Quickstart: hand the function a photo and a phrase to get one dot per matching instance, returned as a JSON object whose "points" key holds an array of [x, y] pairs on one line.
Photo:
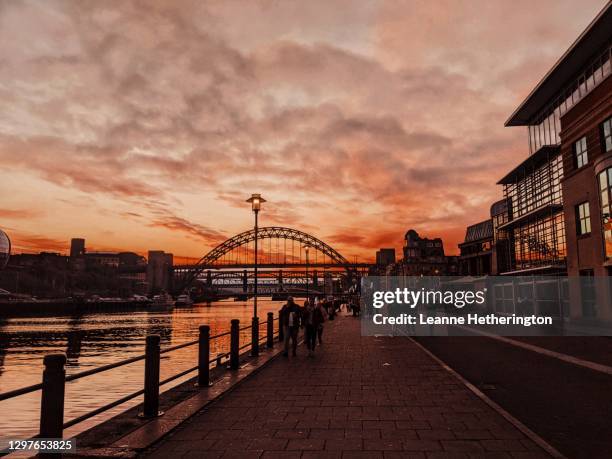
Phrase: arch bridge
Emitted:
{"points": [[283, 254]]}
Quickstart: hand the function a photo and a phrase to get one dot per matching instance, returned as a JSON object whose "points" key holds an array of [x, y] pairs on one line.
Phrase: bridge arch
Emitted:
{"points": [[272, 232], [267, 232]]}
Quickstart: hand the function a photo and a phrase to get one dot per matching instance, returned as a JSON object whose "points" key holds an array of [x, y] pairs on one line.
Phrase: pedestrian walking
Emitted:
{"points": [[290, 319], [313, 317], [324, 317]]}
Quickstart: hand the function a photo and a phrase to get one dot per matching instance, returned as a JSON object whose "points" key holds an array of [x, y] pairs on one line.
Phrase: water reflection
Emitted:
{"points": [[93, 340]]}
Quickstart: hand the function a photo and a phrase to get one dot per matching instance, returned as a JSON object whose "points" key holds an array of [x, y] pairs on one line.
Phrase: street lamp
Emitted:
{"points": [[307, 248], [256, 200]]}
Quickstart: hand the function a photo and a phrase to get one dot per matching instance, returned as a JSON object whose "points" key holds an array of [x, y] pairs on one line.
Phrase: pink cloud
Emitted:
{"points": [[355, 121]]}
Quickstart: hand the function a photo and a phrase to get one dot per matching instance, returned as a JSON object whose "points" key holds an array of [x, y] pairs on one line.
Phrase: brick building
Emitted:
{"points": [[558, 198]]}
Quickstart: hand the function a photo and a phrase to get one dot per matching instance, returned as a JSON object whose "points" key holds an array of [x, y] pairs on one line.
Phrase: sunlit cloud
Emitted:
{"points": [[152, 122]]}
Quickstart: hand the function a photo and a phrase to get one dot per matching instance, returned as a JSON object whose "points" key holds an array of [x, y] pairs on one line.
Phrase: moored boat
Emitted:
{"points": [[183, 300]]}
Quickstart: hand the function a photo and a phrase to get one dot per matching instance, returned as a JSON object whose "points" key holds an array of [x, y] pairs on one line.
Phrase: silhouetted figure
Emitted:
{"points": [[321, 307], [290, 319], [312, 318]]}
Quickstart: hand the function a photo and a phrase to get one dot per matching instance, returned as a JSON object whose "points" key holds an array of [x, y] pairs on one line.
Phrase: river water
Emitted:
{"points": [[93, 340]]}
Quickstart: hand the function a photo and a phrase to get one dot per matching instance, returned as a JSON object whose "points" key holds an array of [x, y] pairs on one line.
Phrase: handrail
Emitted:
{"points": [[93, 371], [207, 339], [20, 391], [102, 409], [179, 346], [110, 366], [220, 335]]}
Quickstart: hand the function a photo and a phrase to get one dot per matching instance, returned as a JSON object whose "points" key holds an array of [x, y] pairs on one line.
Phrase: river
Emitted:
{"points": [[93, 340]]}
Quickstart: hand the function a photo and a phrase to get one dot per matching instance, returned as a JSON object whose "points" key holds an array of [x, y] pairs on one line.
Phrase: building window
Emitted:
{"points": [[605, 193], [606, 129], [580, 152], [583, 218]]}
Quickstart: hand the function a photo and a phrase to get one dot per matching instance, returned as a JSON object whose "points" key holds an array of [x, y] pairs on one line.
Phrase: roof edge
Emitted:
{"points": [[512, 121]]}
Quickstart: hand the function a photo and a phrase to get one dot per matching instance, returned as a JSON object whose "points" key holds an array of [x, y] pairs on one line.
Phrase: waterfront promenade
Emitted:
{"points": [[369, 397]]}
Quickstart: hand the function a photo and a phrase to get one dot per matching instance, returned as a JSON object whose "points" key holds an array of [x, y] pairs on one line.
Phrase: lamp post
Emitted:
{"points": [[307, 248], [256, 200]]}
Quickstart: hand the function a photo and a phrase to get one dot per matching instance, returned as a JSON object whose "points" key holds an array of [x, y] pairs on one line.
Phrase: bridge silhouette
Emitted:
{"points": [[297, 258]]}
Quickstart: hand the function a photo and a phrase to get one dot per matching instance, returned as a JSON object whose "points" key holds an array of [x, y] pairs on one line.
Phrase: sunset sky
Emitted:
{"points": [[146, 124]]}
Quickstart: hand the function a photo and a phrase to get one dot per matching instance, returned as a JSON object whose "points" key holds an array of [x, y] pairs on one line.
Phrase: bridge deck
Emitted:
{"points": [[359, 397]]}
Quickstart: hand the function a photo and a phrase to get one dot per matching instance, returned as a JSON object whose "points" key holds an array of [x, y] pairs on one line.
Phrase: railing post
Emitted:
{"points": [[255, 336], [270, 330], [234, 344], [151, 378], [204, 356], [52, 398]]}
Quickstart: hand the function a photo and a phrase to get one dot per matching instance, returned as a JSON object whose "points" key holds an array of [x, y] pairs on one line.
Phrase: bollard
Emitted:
{"points": [[151, 379], [255, 336], [204, 356], [270, 331], [52, 398], [234, 344]]}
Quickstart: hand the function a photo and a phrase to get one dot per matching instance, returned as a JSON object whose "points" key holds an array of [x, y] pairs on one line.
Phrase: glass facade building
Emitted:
{"points": [[535, 222], [546, 125], [555, 208]]}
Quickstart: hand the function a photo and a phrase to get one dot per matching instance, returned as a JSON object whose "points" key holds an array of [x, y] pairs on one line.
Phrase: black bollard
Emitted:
{"points": [[151, 378], [270, 330], [52, 398], [255, 336], [234, 344], [204, 356]]}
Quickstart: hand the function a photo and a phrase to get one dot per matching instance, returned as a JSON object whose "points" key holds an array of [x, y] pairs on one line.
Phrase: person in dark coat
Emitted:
{"points": [[290, 319], [312, 318]]}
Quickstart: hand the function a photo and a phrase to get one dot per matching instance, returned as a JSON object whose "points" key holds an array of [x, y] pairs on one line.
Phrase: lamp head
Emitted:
{"points": [[256, 200]]}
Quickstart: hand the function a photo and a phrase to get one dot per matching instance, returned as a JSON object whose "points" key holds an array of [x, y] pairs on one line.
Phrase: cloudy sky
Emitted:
{"points": [[146, 124]]}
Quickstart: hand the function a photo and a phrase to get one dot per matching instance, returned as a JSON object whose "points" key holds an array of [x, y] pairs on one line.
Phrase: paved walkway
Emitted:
{"points": [[358, 398]]}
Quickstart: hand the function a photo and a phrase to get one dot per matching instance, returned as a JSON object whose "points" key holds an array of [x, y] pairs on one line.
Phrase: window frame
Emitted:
{"points": [[583, 219], [605, 207], [606, 139], [581, 158]]}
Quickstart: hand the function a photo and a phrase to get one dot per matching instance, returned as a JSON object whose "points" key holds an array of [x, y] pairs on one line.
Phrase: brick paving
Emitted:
{"points": [[360, 397]]}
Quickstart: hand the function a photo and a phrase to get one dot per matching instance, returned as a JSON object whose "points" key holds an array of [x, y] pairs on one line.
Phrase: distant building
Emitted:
{"points": [[110, 259], [80, 257], [423, 256], [77, 247], [49, 259], [476, 250], [385, 257], [159, 271], [5, 249]]}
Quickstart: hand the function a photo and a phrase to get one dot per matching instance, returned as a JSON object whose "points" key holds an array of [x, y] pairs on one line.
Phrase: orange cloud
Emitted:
{"points": [[354, 121]]}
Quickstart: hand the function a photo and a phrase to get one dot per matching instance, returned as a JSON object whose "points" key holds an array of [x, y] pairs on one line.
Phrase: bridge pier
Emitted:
{"points": [[245, 281]]}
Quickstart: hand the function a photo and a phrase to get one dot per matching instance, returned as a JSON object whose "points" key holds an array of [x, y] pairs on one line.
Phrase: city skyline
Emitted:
{"points": [[355, 124]]}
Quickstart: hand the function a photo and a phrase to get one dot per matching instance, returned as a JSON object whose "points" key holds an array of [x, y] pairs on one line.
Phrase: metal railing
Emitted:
{"points": [[54, 379]]}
